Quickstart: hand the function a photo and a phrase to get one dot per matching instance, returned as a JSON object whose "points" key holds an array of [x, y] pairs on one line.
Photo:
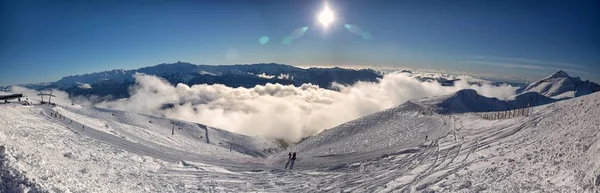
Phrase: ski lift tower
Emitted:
{"points": [[41, 94]]}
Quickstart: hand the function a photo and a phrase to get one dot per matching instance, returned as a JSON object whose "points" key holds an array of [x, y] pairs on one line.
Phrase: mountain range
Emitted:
{"points": [[115, 83], [555, 87]]}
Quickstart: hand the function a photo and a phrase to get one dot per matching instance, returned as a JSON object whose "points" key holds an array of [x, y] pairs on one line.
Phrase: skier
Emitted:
{"points": [[293, 160], [288, 161], [426, 137]]}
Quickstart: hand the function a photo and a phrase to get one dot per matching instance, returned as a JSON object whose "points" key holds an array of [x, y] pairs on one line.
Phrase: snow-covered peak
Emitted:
{"points": [[469, 100], [559, 74], [560, 85], [466, 100]]}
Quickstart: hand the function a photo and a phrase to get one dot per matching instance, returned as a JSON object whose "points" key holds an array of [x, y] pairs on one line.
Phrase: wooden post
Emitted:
{"points": [[50, 99], [206, 134]]}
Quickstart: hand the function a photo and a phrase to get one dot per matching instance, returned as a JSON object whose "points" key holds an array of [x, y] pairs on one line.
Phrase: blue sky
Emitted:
{"points": [[46, 40]]}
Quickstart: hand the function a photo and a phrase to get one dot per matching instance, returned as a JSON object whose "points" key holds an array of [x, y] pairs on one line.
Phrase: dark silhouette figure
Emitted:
{"points": [[293, 160], [426, 137], [288, 161]]}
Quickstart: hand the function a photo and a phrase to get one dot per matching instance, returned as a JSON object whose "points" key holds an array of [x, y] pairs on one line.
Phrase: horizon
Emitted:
{"points": [[381, 69], [45, 41]]}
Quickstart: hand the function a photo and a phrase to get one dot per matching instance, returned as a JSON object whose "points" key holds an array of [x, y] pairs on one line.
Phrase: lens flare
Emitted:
{"points": [[354, 29], [297, 33], [263, 40], [326, 17]]}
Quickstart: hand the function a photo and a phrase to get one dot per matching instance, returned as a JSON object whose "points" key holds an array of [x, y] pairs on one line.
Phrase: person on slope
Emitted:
{"points": [[293, 160], [288, 161]]}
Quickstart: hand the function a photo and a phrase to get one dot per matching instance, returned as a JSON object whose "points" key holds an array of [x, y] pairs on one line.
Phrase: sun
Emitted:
{"points": [[326, 16]]}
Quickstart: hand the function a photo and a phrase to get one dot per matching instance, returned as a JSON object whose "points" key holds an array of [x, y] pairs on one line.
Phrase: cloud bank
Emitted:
{"points": [[60, 97], [282, 111]]}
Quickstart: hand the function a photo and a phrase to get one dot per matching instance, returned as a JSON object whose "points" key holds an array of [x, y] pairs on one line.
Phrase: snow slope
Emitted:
{"points": [[555, 149], [468, 100], [157, 132], [397, 127], [61, 160]]}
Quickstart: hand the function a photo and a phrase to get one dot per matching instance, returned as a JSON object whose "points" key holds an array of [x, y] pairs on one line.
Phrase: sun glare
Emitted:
{"points": [[326, 17]]}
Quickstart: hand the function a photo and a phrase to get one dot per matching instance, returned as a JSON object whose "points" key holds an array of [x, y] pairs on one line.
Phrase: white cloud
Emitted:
{"points": [[85, 86], [60, 97], [285, 76], [531, 65], [285, 111], [266, 76], [526, 61]]}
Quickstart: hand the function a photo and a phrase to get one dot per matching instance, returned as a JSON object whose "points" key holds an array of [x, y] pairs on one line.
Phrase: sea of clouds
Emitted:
{"points": [[283, 111], [275, 110]]}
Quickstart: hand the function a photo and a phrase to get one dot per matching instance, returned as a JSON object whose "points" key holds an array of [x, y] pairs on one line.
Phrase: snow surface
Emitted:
{"points": [[555, 149]]}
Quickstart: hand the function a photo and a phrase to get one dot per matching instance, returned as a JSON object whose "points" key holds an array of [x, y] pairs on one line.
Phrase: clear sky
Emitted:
{"points": [[46, 40]]}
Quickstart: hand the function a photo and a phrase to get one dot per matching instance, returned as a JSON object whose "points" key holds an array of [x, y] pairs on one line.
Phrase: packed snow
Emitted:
{"points": [[87, 149]]}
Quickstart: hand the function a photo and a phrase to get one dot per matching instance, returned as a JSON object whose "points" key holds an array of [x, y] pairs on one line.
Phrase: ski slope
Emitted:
{"points": [[154, 131], [380, 133], [555, 149]]}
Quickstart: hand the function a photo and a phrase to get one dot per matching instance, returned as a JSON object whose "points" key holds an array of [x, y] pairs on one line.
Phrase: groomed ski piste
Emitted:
{"points": [[555, 148]]}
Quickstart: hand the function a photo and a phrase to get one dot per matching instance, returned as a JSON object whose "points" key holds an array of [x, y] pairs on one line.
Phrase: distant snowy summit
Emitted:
{"points": [[555, 87], [560, 85], [36, 86], [469, 100]]}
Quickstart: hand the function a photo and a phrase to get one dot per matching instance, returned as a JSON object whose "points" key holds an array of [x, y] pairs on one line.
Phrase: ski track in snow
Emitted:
{"points": [[555, 149]]}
